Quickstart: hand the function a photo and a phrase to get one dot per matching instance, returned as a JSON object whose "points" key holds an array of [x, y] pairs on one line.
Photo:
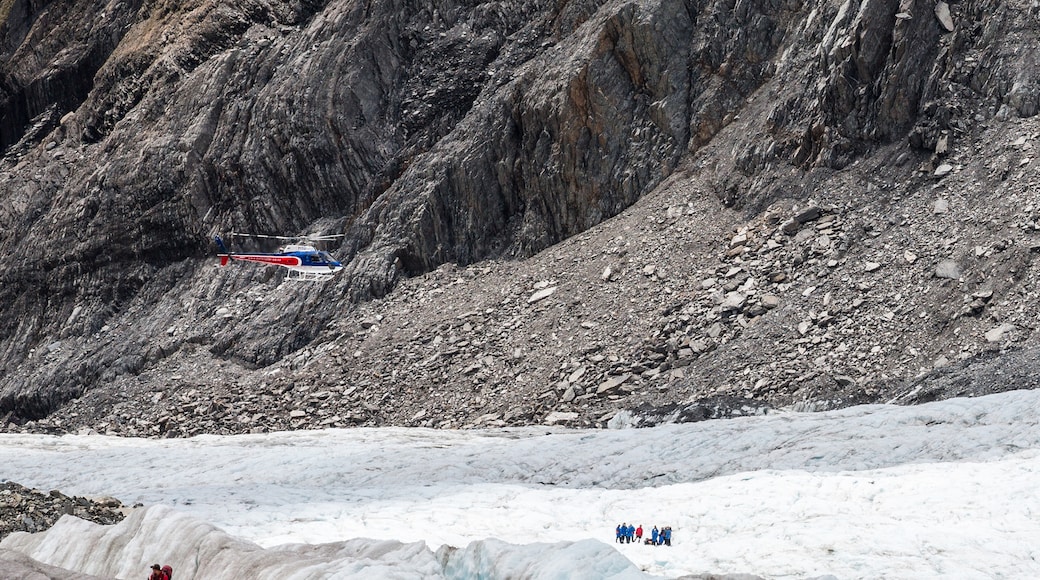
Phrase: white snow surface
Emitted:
{"points": [[947, 489]]}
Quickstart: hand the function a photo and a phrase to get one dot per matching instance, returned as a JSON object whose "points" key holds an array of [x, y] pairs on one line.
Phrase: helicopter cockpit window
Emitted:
{"points": [[313, 258], [327, 257]]}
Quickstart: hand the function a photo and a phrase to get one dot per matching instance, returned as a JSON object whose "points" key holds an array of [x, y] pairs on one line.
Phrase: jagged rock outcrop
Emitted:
{"points": [[468, 134], [29, 510]]}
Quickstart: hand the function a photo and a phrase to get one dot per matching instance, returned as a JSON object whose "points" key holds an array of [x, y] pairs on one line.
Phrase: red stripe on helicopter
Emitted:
{"points": [[266, 259]]}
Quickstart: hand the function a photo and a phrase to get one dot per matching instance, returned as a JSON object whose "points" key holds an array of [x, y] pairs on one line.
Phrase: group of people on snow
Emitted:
{"points": [[627, 533]]}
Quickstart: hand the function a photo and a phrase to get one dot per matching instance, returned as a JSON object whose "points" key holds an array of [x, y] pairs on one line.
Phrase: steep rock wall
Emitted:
{"points": [[428, 133]]}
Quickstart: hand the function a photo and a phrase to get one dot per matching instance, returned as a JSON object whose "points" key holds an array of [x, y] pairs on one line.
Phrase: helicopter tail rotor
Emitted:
{"points": [[224, 254]]}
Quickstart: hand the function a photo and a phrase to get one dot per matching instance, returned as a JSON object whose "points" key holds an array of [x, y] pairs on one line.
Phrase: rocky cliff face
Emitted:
{"points": [[553, 210]]}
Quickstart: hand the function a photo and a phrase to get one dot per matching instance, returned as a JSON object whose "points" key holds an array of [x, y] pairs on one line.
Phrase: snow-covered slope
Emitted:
{"points": [[878, 491], [202, 551]]}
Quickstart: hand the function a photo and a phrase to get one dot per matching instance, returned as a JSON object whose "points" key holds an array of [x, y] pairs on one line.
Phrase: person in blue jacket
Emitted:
{"points": [[618, 532], [668, 535], [654, 536]]}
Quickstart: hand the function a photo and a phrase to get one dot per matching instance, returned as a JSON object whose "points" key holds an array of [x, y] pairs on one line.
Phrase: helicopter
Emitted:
{"points": [[303, 262]]}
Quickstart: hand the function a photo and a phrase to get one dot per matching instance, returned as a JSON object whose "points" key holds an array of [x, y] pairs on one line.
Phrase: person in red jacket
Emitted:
{"points": [[167, 571], [156, 573], [639, 533]]}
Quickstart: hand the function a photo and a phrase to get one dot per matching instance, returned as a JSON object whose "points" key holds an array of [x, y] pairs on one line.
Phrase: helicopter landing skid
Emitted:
{"points": [[296, 276]]}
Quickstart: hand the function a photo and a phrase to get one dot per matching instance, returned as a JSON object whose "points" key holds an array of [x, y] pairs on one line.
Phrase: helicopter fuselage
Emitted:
{"points": [[296, 258]]}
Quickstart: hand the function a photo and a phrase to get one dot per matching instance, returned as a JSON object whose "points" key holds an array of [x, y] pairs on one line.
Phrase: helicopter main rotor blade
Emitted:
{"points": [[323, 238], [315, 238], [242, 235]]}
